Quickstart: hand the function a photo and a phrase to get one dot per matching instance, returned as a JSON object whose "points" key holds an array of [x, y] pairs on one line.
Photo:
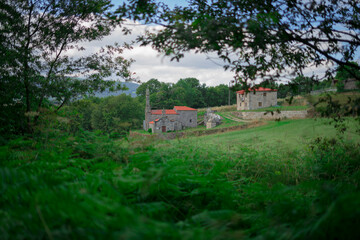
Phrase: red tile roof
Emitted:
{"points": [[152, 122], [167, 112], [184, 108], [260, 89]]}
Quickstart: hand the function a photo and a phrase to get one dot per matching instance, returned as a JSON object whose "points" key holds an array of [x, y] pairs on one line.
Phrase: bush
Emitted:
{"points": [[116, 114], [335, 159], [340, 86]]}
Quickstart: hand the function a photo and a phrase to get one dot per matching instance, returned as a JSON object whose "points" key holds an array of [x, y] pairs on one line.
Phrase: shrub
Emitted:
{"points": [[340, 86], [334, 158]]}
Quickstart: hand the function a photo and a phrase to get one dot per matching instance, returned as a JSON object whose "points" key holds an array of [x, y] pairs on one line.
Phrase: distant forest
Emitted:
{"points": [[186, 92], [189, 92]]}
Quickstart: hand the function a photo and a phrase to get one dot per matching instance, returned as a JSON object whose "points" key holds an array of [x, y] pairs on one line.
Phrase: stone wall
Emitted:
{"points": [[350, 84], [170, 125], [269, 116], [153, 117], [315, 92], [242, 101], [270, 99], [188, 118]]}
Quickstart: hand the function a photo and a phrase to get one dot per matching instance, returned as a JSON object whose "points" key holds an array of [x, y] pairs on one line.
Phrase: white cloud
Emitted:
{"points": [[150, 64]]}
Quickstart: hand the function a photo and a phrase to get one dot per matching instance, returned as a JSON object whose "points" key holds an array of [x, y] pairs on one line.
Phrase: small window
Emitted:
{"points": [[260, 104], [190, 120], [264, 94]]}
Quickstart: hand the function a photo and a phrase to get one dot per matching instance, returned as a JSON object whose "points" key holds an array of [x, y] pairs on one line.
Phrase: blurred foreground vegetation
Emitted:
{"points": [[286, 180]]}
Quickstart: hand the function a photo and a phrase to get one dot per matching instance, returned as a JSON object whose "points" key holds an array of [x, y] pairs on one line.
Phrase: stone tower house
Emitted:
{"points": [[256, 98]]}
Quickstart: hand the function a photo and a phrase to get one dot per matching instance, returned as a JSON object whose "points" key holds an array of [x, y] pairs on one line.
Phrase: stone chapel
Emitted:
{"points": [[178, 118]]}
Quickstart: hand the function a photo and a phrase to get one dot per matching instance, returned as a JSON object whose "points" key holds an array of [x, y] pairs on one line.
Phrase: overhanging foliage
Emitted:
{"points": [[256, 39]]}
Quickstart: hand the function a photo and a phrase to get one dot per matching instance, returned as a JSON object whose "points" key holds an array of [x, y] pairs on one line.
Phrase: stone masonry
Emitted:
{"points": [[269, 116], [168, 119], [256, 98]]}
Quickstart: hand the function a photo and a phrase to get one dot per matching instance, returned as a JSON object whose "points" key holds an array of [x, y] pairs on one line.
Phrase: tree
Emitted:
{"points": [[36, 39], [113, 114], [218, 96], [256, 39], [153, 84], [344, 73], [301, 85], [117, 114], [164, 98], [269, 84], [185, 92], [191, 92]]}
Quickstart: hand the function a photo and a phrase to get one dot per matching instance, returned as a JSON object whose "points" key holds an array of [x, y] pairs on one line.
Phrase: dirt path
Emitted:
{"points": [[236, 119]]}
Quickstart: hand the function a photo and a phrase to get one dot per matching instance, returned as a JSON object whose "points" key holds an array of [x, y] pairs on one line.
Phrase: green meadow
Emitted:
{"points": [[293, 179], [285, 135]]}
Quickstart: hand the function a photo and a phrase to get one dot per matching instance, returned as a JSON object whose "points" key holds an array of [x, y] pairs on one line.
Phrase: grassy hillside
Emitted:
{"points": [[286, 134], [279, 181]]}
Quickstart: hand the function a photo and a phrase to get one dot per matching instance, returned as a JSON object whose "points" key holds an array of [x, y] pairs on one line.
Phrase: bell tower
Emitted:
{"points": [[147, 110]]}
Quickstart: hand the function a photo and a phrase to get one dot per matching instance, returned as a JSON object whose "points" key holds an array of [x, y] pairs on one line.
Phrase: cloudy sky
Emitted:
{"points": [[150, 64]]}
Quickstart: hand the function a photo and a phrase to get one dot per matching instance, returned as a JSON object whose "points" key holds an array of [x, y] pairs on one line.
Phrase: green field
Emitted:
{"points": [[280, 108], [286, 134], [284, 180]]}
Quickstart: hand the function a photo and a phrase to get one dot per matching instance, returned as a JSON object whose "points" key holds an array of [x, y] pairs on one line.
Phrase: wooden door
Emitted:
{"points": [[163, 128]]}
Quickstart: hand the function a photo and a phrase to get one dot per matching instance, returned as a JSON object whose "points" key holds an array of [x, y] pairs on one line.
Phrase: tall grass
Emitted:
{"points": [[213, 187]]}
